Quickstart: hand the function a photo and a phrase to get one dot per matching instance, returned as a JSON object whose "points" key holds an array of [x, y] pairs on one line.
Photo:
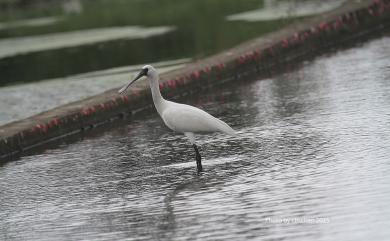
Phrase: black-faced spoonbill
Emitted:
{"points": [[181, 118]]}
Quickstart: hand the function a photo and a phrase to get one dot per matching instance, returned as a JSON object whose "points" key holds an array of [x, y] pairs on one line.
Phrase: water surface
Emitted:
{"points": [[311, 162]]}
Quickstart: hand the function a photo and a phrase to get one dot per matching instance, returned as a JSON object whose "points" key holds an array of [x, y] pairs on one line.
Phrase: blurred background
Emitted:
{"points": [[310, 161], [56, 51]]}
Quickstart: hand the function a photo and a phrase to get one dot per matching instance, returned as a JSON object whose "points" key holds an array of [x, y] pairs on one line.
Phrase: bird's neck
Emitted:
{"points": [[158, 100]]}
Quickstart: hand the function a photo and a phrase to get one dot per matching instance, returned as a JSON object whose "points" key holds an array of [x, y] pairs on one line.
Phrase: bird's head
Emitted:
{"points": [[147, 70]]}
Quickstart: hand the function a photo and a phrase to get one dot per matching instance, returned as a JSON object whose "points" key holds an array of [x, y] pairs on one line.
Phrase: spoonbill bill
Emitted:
{"points": [[181, 118]]}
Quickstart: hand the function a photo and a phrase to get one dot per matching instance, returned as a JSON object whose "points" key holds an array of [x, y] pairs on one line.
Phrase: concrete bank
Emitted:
{"points": [[347, 23]]}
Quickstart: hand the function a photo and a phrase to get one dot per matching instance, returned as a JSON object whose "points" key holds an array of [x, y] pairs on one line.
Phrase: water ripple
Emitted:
{"points": [[310, 162]]}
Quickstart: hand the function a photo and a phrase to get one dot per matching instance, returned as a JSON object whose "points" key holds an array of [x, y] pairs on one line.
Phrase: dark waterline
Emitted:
{"points": [[311, 162]]}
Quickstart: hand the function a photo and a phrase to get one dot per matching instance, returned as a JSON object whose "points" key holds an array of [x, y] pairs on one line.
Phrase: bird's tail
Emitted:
{"points": [[225, 128]]}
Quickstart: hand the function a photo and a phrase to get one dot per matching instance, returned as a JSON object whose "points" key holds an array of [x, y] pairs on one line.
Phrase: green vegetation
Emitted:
{"points": [[104, 13], [201, 30], [11, 10]]}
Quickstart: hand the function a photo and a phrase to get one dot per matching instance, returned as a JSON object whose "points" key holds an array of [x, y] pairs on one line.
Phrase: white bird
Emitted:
{"points": [[181, 118]]}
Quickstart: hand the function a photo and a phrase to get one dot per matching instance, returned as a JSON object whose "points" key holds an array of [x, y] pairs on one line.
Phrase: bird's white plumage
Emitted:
{"points": [[182, 118], [185, 118]]}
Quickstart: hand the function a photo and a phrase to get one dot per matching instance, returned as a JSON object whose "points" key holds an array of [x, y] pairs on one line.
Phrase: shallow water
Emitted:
{"points": [[311, 162]]}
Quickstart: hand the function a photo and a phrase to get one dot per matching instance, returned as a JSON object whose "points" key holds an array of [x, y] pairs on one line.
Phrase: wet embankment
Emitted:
{"points": [[297, 41]]}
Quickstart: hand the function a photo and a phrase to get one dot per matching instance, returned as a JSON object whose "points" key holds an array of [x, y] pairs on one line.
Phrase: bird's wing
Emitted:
{"points": [[186, 118]]}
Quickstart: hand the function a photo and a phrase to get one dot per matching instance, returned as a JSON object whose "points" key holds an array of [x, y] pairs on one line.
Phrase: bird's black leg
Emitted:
{"points": [[198, 159]]}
